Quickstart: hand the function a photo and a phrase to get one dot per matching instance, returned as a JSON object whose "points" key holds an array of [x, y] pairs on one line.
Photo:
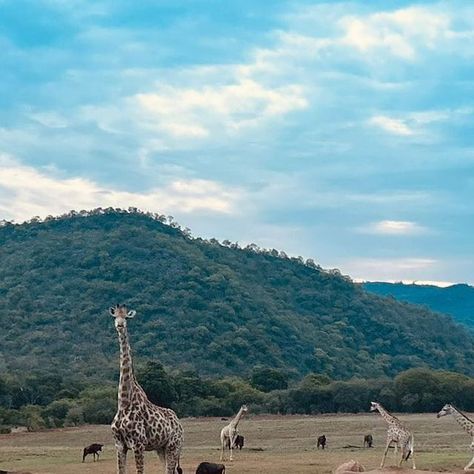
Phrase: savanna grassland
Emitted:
{"points": [[274, 444]]}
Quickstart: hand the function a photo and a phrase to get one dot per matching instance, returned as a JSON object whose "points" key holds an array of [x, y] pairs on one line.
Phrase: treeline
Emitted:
{"points": [[41, 401], [170, 222]]}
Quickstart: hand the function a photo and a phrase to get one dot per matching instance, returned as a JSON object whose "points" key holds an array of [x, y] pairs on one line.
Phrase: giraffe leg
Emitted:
{"points": [[402, 457], [139, 460], [172, 460], [230, 447], [385, 453], [395, 453], [121, 459], [222, 449], [471, 462], [413, 458], [411, 451]]}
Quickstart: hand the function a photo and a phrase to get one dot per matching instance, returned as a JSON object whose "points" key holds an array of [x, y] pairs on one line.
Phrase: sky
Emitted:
{"points": [[338, 131]]}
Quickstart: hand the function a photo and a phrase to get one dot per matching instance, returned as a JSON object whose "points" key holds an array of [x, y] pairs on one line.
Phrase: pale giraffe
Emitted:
{"points": [[396, 433], [464, 421], [139, 425], [229, 432]]}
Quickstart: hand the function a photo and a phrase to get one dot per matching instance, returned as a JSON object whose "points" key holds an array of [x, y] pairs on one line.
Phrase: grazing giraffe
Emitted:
{"points": [[396, 433], [229, 432], [139, 424], [464, 421]]}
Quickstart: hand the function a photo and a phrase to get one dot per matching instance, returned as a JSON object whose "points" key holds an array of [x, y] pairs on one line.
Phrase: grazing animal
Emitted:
{"points": [[322, 442], [210, 468], [93, 449], [464, 421], [396, 433], [239, 442], [368, 441], [139, 424], [229, 432]]}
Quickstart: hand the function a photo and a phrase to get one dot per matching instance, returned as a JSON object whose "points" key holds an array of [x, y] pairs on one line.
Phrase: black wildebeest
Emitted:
{"points": [[368, 441], [93, 449], [210, 468], [239, 442], [322, 441]]}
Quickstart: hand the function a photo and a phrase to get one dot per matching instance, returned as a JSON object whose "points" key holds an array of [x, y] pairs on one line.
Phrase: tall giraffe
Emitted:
{"points": [[464, 421], [396, 433], [139, 424], [229, 432]]}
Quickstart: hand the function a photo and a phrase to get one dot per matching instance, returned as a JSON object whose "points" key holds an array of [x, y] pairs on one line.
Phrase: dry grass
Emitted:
{"points": [[273, 444]]}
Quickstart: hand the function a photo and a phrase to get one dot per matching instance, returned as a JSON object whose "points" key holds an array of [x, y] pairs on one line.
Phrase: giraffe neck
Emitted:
{"points": [[237, 418], [463, 420], [127, 379], [386, 415]]}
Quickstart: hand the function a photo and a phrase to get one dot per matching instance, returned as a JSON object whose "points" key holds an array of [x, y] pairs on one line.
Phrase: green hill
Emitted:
{"points": [[455, 300], [203, 305]]}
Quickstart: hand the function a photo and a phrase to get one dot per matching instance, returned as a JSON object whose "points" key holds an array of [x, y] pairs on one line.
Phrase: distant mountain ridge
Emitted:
{"points": [[456, 300], [202, 305]]}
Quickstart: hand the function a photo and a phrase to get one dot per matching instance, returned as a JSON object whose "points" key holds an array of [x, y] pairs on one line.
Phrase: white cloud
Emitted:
{"points": [[399, 32], [27, 192], [194, 113], [388, 227], [441, 284], [49, 119], [192, 106], [389, 269], [391, 125]]}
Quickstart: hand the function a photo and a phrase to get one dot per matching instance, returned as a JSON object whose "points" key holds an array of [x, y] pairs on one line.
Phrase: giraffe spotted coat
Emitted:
{"points": [[139, 425]]}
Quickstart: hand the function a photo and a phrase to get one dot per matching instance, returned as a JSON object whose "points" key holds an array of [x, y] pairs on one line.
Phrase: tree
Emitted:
{"points": [[267, 379], [157, 384]]}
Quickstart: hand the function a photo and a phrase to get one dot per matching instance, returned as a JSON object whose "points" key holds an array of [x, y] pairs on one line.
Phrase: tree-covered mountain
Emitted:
{"points": [[455, 300], [200, 305]]}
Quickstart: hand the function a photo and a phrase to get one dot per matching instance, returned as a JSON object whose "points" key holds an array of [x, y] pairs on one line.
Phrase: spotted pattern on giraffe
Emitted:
{"points": [[140, 425]]}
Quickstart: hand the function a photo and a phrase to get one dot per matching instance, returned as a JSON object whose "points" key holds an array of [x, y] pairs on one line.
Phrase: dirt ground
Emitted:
{"points": [[273, 444]]}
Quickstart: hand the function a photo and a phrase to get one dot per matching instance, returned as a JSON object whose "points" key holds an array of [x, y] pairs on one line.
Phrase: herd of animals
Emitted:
{"points": [[141, 426]]}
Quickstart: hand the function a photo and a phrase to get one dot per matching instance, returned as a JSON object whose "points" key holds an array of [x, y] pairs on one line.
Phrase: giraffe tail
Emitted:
{"points": [[410, 446]]}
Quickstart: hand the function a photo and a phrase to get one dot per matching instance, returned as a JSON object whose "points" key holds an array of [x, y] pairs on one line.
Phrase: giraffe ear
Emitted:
{"points": [[131, 314], [112, 311]]}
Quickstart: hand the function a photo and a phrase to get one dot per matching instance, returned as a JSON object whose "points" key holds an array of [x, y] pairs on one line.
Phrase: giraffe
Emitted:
{"points": [[396, 433], [229, 432], [464, 421], [139, 424]]}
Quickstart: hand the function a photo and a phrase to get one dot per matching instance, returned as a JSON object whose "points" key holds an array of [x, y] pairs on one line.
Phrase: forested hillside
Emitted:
{"points": [[456, 300], [200, 305]]}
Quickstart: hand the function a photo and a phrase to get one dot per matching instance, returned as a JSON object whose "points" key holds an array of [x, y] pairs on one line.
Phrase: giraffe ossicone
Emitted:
{"points": [[140, 425]]}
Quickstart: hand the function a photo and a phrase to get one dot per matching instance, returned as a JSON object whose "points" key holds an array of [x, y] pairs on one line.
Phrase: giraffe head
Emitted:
{"points": [[374, 406], [446, 410], [121, 313], [244, 408]]}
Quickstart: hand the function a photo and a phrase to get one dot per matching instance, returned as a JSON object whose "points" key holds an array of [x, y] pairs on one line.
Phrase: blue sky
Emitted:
{"points": [[339, 131]]}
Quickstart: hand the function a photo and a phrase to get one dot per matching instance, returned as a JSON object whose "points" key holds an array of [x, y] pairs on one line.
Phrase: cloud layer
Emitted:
{"points": [[339, 131]]}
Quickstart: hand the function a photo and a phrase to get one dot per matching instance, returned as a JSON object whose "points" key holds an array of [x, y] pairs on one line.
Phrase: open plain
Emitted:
{"points": [[273, 444]]}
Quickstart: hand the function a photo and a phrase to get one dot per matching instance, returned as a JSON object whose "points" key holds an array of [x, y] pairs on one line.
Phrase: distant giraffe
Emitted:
{"points": [[464, 421], [229, 432], [396, 433], [139, 424]]}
